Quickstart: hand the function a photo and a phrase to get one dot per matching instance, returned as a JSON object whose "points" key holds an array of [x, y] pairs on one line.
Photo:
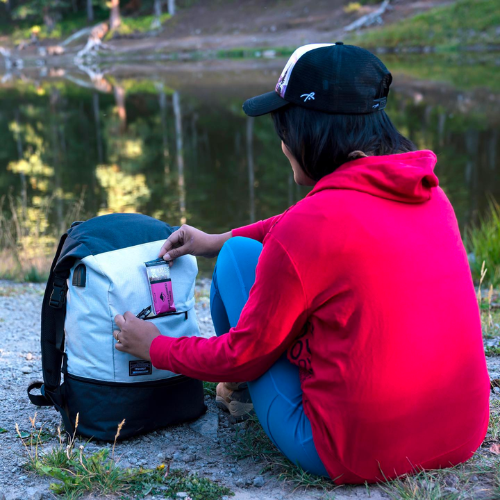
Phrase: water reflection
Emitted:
{"points": [[174, 143]]}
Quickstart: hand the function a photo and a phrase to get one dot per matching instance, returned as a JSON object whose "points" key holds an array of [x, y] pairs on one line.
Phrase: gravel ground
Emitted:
{"points": [[200, 446]]}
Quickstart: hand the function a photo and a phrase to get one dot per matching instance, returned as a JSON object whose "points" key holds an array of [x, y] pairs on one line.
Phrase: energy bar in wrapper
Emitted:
{"points": [[161, 287]]}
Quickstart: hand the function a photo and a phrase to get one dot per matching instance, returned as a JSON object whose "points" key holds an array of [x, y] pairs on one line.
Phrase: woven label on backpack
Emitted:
{"points": [[139, 367]]}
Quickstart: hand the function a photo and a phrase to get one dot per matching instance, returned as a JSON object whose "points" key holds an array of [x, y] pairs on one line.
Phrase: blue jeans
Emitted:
{"points": [[276, 395]]}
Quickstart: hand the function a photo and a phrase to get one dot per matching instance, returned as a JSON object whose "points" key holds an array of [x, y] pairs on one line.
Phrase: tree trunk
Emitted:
{"points": [[56, 158], [164, 131], [114, 18], [120, 106], [156, 24], [20, 155], [180, 157], [171, 7], [157, 8], [90, 11], [97, 120]]}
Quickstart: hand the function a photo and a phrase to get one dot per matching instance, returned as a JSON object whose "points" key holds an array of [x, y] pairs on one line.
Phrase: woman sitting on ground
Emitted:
{"points": [[352, 315]]}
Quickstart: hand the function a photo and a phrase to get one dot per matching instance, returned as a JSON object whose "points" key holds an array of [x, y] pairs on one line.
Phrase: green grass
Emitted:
{"points": [[451, 27], [494, 424], [77, 473], [461, 71], [423, 486], [482, 240], [252, 442]]}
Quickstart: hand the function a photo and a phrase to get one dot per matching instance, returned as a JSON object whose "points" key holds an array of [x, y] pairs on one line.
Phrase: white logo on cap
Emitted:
{"points": [[308, 96]]}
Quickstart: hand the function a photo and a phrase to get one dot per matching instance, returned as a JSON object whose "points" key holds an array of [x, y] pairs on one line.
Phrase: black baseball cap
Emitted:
{"points": [[333, 78]]}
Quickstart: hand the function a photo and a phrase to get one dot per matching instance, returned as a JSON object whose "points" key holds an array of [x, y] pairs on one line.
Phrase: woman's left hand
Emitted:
{"points": [[135, 335]]}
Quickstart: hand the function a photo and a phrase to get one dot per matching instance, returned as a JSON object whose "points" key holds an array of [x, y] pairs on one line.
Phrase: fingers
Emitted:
{"points": [[175, 253], [129, 316], [175, 239], [176, 245], [165, 247], [119, 347], [120, 321]]}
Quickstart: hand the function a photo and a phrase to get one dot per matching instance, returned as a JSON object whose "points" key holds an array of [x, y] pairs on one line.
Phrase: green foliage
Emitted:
{"points": [[132, 25], [252, 442], [63, 28], [245, 53], [482, 239], [77, 473], [450, 27], [492, 351], [209, 388]]}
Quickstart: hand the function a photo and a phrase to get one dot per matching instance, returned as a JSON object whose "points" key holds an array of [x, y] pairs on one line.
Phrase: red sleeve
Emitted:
{"points": [[273, 316], [257, 230]]}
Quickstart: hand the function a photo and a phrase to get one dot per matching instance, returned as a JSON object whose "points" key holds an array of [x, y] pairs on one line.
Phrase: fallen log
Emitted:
{"points": [[371, 18], [94, 41]]}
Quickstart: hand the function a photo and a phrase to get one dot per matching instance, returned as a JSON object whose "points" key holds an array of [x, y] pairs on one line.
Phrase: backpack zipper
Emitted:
{"points": [[144, 314]]}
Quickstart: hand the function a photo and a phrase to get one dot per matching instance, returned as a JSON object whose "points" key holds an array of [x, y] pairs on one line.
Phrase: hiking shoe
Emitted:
{"points": [[234, 397]]}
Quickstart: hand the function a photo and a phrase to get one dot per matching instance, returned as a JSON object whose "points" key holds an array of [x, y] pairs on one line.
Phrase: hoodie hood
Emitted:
{"points": [[406, 177]]}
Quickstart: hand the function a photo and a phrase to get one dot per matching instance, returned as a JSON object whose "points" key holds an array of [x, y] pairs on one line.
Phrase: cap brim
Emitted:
{"points": [[263, 104]]}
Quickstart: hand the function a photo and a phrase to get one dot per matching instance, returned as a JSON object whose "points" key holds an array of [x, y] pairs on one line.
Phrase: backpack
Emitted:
{"points": [[98, 272]]}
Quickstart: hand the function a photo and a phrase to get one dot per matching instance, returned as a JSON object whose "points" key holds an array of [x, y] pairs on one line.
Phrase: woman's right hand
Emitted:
{"points": [[192, 241]]}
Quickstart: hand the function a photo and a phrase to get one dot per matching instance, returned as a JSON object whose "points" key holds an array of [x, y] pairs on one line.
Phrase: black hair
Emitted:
{"points": [[321, 142]]}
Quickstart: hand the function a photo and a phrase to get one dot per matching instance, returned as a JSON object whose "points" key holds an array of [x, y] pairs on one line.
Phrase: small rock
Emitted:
{"points": [[258, 482], [207, 425], [451, 480], [29, 356], [189, 457], [450, 489], [26, 369], [474, 479], [177, 455], [33, 494], [182, 494]]}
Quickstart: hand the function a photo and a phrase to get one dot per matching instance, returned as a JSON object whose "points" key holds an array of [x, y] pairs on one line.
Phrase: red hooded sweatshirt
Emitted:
{"points": [[365, 282]]}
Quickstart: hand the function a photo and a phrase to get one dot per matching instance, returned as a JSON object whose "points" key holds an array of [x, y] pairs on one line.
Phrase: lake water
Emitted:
{"points": [[170, 139]]}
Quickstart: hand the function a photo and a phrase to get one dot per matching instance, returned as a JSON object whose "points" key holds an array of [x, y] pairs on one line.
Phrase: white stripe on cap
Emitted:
{"points": [[287, 70]]}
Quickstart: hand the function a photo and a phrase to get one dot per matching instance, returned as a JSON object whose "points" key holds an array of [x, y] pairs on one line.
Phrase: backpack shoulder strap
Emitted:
{"points": [[52, 337]]}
